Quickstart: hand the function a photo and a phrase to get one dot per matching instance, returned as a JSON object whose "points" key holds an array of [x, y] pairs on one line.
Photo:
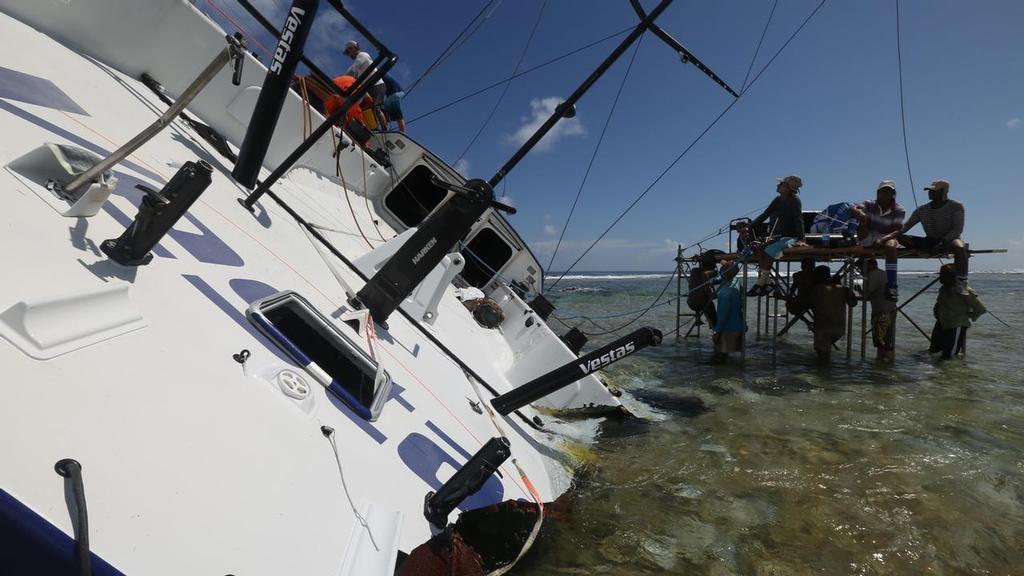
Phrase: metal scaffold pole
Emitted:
{"points": [[864, 310], [743, 298], [775, 320], [850, 268], [679, 288]]}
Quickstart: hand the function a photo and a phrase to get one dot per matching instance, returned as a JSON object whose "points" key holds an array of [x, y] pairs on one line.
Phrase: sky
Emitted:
{"points": [[827, 109]]}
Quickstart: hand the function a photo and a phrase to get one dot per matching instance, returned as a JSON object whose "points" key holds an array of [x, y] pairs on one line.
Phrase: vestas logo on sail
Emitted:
{"points": [[607, 358], [284, 46]]}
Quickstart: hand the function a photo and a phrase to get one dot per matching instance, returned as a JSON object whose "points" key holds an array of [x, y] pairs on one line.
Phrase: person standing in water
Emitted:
{"points": [[953, 314], [729, 327]]}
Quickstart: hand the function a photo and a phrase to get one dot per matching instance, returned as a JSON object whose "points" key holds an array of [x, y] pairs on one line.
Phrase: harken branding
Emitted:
{"points": [[423, 251], [284, 46], [607, 358]]}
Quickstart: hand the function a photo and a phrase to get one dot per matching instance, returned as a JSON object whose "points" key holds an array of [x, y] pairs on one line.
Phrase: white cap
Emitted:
{"points": [[938, 185], [351, 44], [887, 184]]}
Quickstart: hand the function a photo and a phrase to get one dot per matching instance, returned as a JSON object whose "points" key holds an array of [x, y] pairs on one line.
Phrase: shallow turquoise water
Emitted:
{"points": [[855, 468]]}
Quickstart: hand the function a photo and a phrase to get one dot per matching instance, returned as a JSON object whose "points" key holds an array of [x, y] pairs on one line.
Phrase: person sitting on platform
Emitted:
{"points": [[701, 294], [883, 310], [729, 326], [877, 218], [785, 216], [943, 222], [953, 314], [829, 305]]}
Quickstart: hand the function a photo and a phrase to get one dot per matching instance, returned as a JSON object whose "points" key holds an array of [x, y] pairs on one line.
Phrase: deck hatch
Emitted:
{"points": [[326, 352]]}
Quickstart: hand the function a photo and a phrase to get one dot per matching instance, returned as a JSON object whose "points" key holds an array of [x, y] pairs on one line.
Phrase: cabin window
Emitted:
{"points": [[327, 353], [415, 197], [485, 255]]}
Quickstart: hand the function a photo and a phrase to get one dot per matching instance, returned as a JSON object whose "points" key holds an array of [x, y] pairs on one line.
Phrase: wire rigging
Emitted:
{"points": [[903, 116], [597, 148], [523, 73], [452, 48], [757, 50], [504, 91], [693, 143]]}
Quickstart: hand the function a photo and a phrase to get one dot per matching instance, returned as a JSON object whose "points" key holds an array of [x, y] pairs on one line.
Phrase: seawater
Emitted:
{"points": [[854, 468]]}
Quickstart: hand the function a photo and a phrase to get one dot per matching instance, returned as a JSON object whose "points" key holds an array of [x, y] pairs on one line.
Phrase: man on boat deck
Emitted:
{"points": [[360, 62], [877, 219], [786, 228], [393, 102], [943, 222]]}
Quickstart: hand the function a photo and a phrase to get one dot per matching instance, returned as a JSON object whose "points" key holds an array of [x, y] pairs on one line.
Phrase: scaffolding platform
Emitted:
{"points": [[848, 272]]}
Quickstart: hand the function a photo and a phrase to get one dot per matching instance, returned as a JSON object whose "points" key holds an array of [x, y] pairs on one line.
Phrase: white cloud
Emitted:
{"points": [[327, 38], [540, 110], [462, 167], [550, 230], [1014, 122]]}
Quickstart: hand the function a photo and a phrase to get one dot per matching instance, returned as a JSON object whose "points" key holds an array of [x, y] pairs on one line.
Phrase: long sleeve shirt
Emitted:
{"points": [[946, 222], [730, 308], [785, 216], [954, 311], [881, 221]]}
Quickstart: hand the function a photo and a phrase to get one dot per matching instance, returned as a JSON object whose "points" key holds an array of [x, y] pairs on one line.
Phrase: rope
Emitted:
{"points": [[241, 29], [903, 116], [692, 143], [597, 148], [504, 90], [449, 50], [523, 73], [759, 42], [329, 433]]}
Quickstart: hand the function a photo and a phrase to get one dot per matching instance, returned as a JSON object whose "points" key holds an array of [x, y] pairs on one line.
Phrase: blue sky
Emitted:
{"points": [[827, 109]]}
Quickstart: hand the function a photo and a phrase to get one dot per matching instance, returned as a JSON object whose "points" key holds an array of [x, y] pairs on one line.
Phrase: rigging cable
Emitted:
{"points": [[759, 43], [526, 48], [903, 116], [692, 143], [523, 73], [597, 148], [451, 48]]}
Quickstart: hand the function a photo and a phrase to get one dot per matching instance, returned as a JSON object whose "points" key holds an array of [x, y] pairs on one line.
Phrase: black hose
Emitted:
{"points": [[72, 470]]}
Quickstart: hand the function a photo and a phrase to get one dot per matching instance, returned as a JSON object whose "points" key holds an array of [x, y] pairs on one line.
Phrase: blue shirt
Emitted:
{"points": [[391, 85], [730, 308]]}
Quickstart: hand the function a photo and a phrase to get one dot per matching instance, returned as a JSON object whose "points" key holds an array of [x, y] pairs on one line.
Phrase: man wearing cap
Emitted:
{"points": [[878, 218], [786, 228], [943, 222], [360, 62]]}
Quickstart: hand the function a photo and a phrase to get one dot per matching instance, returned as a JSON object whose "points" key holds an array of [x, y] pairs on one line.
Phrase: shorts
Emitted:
{"points": [[869, 240], [948, 341], [924, 243], [882, 330], [393, 106], [774, 250]]}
